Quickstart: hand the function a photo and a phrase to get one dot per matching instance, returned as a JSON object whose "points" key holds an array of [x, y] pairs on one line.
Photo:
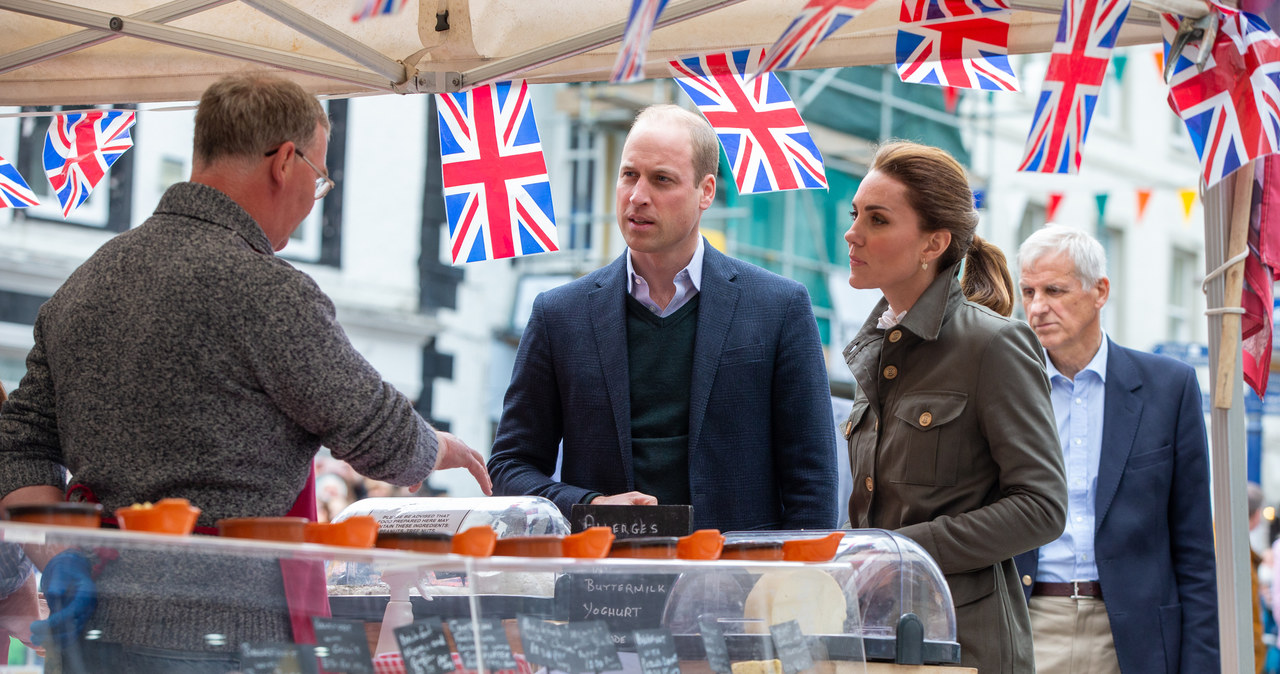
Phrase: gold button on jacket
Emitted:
{"points": [[890, 372], [926, 419], [895, 336], [870, 483]]}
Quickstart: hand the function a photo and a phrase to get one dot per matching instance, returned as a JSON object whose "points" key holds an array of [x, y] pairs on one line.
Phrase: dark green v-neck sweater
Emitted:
{"points": [[660, 364]]}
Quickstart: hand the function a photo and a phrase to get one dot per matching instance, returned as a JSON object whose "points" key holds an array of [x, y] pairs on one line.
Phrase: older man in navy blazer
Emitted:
{"points": [[1130, 585], [676, 374]]}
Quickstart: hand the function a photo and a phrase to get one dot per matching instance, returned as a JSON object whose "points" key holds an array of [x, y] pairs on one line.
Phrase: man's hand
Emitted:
{"points": [[629, 498], [454, 453], [67, 583]]}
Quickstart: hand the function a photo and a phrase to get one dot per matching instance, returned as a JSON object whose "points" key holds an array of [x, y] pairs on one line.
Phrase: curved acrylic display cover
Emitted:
{"points": [[507, 515]]}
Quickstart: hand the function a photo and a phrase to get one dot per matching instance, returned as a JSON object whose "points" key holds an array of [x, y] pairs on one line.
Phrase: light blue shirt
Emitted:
{"points": [[688, 282], [1078, 406]]}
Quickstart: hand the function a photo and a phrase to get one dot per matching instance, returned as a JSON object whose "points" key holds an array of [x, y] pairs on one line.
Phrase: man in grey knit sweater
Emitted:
{"points": [[184, 359]]}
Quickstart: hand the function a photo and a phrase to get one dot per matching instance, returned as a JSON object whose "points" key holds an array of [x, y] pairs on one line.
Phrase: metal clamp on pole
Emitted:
{"points": [[1204, 29]]}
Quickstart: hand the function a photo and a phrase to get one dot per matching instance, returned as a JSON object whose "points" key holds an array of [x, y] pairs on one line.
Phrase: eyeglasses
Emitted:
{"points": [[323, 182]]}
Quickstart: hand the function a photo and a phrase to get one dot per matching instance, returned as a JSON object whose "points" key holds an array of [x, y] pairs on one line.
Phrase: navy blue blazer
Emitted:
{"points": [[761, 438], [1153, 533]]}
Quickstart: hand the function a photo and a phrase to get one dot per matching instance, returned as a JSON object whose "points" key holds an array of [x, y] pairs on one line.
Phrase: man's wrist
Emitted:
{"points": [[591, 496]]}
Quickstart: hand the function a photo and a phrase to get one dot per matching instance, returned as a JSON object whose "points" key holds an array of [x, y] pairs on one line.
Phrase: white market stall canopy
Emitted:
{"points": [[118, 51]]}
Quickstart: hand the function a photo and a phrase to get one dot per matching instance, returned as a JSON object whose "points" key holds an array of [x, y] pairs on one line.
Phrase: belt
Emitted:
{"points": [[1076, 589]]}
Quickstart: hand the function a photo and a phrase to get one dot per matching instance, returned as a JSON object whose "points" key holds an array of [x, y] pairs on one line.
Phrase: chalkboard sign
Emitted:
{"points": [[493, 643], [277, 658], [625, 602], [544, 643], [423, 647], [342, 646], [656, 651], [713, 642], [592, 648], [792, 646], [633, 521]]}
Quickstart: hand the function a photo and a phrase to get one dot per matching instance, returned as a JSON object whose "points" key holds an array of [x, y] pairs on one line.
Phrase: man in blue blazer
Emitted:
{"points": [[676, 374], [1130, 586]]}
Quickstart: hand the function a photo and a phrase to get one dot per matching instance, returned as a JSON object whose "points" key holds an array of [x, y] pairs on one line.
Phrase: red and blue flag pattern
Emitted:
{"points": [[14, 190], [1087, 34], [768, 145], [496, 191], [80, 147], [815, 23], [635, 40], [955, 43], [1232, 108], [366, 9]]}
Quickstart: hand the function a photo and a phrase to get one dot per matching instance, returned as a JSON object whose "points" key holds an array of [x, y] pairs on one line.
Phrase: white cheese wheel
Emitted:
{"points": [[808, 596]]}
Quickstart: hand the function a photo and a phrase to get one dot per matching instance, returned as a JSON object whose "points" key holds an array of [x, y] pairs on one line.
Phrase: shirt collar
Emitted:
{"points": [[694, 269], [1098, 365]]}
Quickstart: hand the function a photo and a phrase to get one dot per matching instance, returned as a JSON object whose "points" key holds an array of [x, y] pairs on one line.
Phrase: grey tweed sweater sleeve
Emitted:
{"points": [[184, 359]]}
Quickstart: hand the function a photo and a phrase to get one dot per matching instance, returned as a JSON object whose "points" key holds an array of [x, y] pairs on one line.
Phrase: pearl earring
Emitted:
{"points": [[924, 265]]}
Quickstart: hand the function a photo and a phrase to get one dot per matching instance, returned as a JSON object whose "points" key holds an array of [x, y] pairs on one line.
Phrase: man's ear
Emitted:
{"points": [[708, 189]]}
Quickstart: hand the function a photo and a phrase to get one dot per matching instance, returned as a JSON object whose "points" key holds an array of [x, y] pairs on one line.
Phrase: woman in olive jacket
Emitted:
{"points": [[952, 438]]}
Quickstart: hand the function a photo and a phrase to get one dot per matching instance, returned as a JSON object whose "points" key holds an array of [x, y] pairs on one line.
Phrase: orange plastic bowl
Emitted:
{"points": [[475, 542], [704, 544], [416, 541], [289, 529], [652, 547], [358, 531], [57, 514], [593, 543], [174, 516], [758, 551], [812, 549], [528, 546]]}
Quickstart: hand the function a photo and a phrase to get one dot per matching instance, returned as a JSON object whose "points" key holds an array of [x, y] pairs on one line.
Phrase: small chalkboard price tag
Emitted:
{"points": [[633, 521], [792, 646], [656, 651], [592, 648], [277, 658], [342, 646], [493, 643], [423, 647], [544, 643], [713, 642], [625, 602]]}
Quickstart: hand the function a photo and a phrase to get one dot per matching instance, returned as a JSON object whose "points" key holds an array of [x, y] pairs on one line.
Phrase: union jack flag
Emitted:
{"points": [[14, 191], [1232, 109], [955, 43], [635, 40], [818, 20], [496, 191], [369, 8], [1086, 35], [80, 147], [768, 146]]}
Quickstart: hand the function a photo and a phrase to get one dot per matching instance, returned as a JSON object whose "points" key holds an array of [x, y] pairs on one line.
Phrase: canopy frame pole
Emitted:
{"points": [[558, 51], [188, 39], [332, 38], [1226, 431], [170, 11]]}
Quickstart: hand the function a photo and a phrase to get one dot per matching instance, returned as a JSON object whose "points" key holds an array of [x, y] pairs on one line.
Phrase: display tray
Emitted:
{"points": [[371, 608], [825, 647]]}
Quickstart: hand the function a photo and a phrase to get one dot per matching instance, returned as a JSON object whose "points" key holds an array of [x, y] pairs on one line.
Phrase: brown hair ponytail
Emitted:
{"points": [[986, 279]]}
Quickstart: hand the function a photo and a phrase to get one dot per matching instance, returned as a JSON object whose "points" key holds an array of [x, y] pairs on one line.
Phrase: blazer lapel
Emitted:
{"points": [[609, 327], [717, 300], [1119, 427]]}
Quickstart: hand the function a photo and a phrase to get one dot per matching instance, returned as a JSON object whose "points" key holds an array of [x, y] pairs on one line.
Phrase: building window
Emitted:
{"points": [[1112, 240], [109, 205], [584, 162], [1182, 284]]}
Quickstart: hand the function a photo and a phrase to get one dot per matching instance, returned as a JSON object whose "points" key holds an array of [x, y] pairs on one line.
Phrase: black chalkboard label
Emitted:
{"points": [[792, 646], [713, 642], [342, 646], [277, 658], [493, 643], [633, 521], [592, 648], [423, 647], [656, 651], [625, 602], [544, 643]]}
